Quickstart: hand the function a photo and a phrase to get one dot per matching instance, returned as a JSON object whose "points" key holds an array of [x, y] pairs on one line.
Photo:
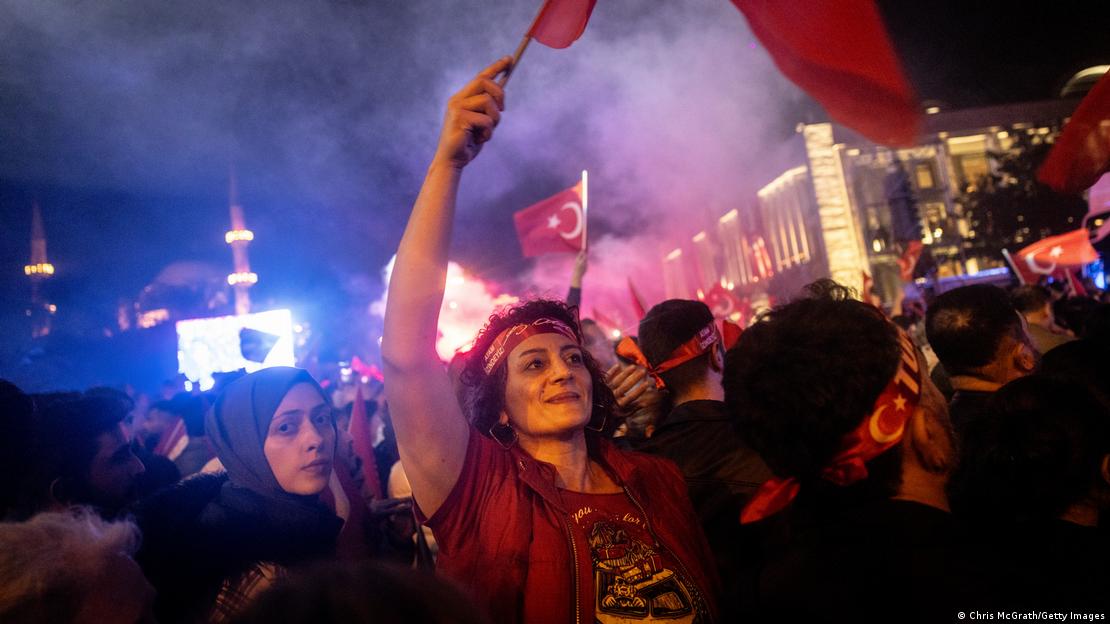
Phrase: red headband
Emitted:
{"points": [[692, 348], [509, 338], [878, 432]]}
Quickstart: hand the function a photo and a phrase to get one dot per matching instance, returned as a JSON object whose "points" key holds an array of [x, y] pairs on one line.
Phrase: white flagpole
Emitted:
{"points": [[585, 210], [1013, 267]]}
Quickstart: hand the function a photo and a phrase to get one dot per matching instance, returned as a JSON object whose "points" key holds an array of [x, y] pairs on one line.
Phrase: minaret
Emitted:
{"points": [[39, 270], [239, 237]]}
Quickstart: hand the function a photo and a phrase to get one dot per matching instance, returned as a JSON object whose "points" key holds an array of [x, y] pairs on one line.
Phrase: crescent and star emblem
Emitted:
{"points": [[1031, 261], [553, 222], [877, 432]]}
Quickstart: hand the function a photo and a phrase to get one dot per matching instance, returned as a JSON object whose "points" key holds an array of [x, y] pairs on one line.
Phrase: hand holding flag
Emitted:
{"points": [[471, 116]]}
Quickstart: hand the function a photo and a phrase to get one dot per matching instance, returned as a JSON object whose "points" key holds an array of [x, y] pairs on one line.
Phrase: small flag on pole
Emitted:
{"points": [[554, 225], [359, 428]]}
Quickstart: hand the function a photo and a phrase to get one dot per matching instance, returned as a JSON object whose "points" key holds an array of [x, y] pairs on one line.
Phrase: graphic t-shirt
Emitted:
{"points": [[633, 578]]}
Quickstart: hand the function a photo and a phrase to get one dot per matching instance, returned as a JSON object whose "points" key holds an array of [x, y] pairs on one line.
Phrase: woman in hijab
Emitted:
{"points": [[212, 543]]}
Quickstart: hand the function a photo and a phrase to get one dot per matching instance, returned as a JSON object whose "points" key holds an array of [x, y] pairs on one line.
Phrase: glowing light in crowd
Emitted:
{"points": [[467, 303]]}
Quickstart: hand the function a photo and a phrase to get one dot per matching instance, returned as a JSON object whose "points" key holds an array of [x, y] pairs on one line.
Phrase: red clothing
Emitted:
{"points": [[505, 532], [629, 574]]}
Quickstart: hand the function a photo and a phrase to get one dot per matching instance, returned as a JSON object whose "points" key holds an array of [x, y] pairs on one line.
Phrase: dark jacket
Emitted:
{"points": [[721, 471], [886, 560], [967, 408], [204, 531]]}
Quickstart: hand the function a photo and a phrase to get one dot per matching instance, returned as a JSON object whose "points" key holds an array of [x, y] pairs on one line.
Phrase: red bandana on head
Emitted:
{"points": [[509, 338], [701, 343], [878, 432]]}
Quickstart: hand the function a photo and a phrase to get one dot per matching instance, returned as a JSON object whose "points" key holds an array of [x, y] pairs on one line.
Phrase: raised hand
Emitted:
{"points": [[471, 116]]}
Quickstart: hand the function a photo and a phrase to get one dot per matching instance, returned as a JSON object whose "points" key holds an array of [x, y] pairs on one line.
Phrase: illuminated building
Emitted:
{"points": [[833, 216], [38, 270], [239, 237]]}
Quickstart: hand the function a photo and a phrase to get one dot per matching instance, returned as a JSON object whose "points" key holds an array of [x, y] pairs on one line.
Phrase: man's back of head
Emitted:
{"points": [[1032, 301], [806, 374], [976, 331], [665, 328], [836, 400]]}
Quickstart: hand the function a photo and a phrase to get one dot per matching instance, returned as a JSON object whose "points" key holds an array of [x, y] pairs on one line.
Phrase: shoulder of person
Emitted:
{"points": [[650, 468], [180, 504]]}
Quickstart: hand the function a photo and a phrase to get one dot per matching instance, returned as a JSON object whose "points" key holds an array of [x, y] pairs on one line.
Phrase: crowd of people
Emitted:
{"points": [[828, 462]]}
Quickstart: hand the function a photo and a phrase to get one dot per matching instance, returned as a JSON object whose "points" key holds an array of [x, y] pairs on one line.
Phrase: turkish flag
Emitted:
{"points": [[722, 302], [561, 22], [838, 52], [1055, 255], [555, 225], [359, 429], [1082, 151], [908, 260]]}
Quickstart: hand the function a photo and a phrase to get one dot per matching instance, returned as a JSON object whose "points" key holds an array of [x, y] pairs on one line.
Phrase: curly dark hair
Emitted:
{"points": [[1036, 451], [808, 372], [484, 395]]}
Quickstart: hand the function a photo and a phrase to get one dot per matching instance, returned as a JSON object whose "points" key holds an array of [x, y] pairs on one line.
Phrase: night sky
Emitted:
{"points": [[121, 118]]}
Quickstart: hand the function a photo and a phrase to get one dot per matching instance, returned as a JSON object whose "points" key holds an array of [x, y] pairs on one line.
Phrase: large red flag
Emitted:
{"points": [[555, 225], [1082, 151], [838, 52], [1054, 256], [359, 428], [561, 22]]}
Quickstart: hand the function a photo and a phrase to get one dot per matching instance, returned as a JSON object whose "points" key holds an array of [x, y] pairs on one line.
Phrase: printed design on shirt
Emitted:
{"points": [[631, 578]]}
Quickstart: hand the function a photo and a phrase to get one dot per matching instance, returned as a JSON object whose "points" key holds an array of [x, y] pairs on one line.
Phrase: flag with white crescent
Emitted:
{"points": [[554, 225], [1052, 255]]}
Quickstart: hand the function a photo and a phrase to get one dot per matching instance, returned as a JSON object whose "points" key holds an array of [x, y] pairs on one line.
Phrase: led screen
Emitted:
{"points": [[229, 343]]}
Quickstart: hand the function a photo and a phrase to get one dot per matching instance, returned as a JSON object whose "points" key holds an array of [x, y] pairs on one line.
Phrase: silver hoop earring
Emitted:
{"points": [[599, 429], [503, 435]]}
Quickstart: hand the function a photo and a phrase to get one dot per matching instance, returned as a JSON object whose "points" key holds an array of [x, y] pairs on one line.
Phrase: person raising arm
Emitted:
{"points": [[426, 416]]}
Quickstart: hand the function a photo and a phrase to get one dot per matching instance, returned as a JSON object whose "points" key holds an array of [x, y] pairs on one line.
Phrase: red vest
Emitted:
{"points": [[504, 526]]}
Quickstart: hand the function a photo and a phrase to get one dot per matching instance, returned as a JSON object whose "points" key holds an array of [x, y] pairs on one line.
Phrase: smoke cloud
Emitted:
{"points": [[330, 112]]}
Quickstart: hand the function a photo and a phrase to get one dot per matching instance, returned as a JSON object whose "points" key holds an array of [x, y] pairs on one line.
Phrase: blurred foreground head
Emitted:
{"points": [[364, 592], [74, 567]]}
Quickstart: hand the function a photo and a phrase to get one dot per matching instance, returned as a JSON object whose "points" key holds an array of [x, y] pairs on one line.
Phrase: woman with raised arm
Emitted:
{"points": [[535, 512]]}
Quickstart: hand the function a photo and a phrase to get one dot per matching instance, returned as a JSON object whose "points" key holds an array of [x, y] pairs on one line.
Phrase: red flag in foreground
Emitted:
{"points": [[908, 260], [839, 53], [561, 22], [359, 428], [555, 225], [1082, 151], [1054, 256]]}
